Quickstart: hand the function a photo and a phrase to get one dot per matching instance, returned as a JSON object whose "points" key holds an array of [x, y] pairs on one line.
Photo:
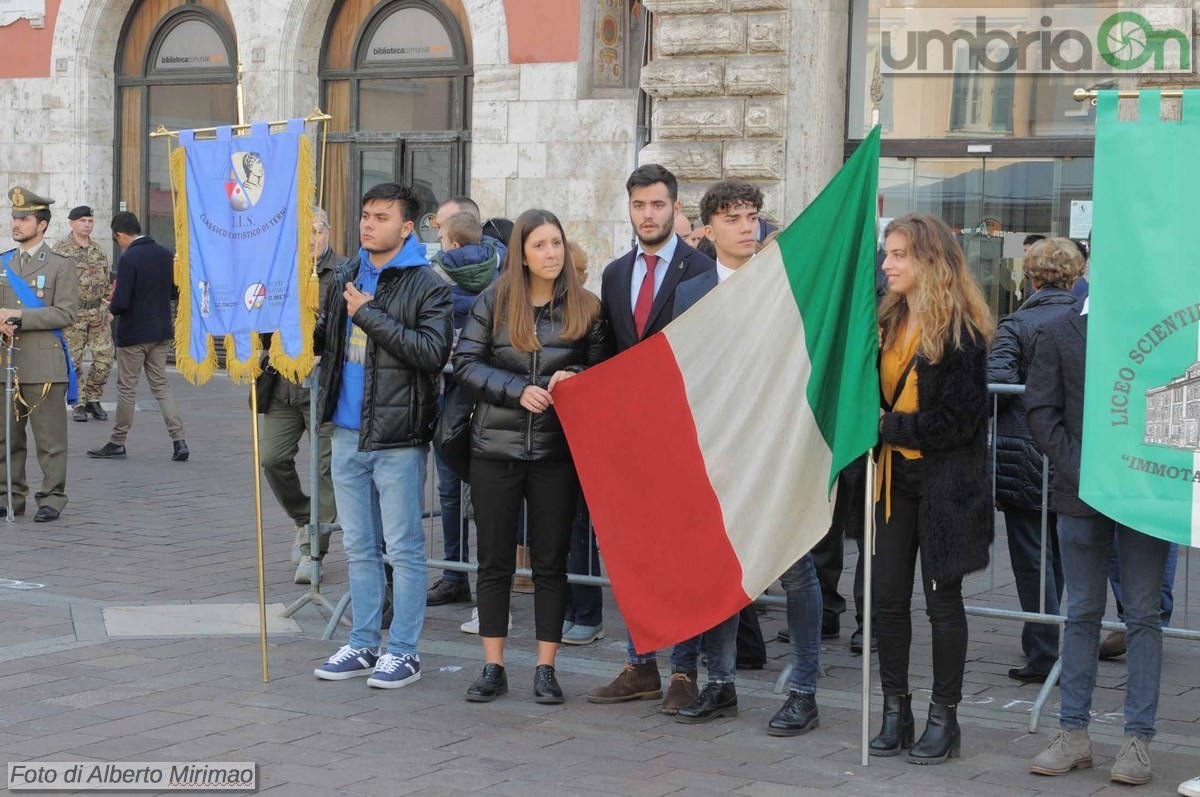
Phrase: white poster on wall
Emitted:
{"points": [[1081, 219], [32, 10]]}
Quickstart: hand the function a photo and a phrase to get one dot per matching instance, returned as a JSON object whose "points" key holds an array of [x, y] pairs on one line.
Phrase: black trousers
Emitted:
{"points": [[550, 490], [897, 543]]}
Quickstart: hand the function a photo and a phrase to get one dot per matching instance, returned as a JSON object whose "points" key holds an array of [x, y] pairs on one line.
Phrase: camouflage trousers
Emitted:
{"points": [[92, 330]]}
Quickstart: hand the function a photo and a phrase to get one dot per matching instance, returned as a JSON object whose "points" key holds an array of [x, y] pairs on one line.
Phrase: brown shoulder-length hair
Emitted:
{"points": [[514, 309], [947, 302]]}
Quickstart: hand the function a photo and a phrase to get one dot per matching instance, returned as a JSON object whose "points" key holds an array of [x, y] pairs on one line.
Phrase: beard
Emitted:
{"points": [[666, 232]]}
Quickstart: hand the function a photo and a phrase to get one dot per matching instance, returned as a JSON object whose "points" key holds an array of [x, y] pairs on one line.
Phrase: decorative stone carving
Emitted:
{"points": [[766, 33], [689, 160], [691, 35], [690, 119], [756, 75], [766, 117], [665, 7], [690, 77]]}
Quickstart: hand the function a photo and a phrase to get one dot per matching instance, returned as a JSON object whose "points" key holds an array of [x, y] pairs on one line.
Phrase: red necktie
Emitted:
{"points": [[645, 297]]}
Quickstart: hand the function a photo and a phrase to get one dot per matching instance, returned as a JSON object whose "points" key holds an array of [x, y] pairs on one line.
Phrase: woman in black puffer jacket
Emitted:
{"points": [[533, 328], [1052, 267]]}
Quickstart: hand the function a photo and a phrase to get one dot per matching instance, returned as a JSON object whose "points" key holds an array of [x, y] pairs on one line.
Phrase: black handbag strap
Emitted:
{"points": [[888, 405]]}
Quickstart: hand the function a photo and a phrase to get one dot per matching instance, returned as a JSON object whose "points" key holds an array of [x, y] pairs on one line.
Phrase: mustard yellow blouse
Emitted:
{"points": [[893, 361]]}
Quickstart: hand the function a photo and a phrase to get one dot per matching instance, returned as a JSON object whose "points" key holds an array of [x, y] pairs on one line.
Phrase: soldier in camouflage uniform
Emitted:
{"points": [[93, 325]]}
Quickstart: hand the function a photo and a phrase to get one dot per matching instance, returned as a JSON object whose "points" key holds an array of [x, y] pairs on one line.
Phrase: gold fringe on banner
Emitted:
{"points": [[243, 371], [294, 369], [195, 372]]}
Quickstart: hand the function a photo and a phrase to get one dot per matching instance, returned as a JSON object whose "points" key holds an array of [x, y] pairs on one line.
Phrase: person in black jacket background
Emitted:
{"points": [[534, 328], [1051, 267], [141, 303], [385, 334], [932, 491]]}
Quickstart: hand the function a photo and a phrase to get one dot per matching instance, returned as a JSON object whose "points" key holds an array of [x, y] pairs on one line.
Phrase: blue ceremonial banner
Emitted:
{"points": [[243, 218]]}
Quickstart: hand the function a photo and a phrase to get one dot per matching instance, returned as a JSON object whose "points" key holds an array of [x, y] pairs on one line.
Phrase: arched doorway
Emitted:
{"points": [[177, 67], [396, 77]]}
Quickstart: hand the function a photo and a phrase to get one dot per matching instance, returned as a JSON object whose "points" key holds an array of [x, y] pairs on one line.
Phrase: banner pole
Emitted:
{"points": [[9, 404], [258, 520], [866, 553]]}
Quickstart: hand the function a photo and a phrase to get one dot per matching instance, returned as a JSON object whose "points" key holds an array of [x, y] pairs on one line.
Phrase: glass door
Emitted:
{"points": [[431, 166], [992, 204]]}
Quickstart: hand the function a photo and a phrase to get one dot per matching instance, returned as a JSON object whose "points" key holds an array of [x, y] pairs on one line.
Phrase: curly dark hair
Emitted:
{"points": [[729, 194]]}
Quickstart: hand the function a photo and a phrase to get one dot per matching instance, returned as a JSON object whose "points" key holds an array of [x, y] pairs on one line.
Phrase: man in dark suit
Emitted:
{"points": [[1054, 410], [141, 303], [637, 293]]}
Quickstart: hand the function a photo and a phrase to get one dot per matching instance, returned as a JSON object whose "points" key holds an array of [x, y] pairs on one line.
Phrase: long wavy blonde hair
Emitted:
{"points": [[947, 302]]}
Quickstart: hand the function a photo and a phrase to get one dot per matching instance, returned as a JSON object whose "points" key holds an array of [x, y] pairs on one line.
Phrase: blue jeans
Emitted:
{"points": [[720, 650], [454, 525], [684, 656], [585, 604], [1085, 544], [1168, 585], [380, 501], [804, 613]]}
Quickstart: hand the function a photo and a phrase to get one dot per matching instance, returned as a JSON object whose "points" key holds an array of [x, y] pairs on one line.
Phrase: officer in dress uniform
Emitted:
{"points": [[93, 325], [49, 284]]}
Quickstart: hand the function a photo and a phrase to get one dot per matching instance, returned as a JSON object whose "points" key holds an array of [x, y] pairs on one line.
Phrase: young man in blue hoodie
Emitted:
{"points": [[385, 336]]}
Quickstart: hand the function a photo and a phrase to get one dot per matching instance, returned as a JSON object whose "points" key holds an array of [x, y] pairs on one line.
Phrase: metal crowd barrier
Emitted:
{"points": [[436, 560]]}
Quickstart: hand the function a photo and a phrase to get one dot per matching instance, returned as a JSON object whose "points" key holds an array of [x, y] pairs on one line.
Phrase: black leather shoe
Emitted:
{"points": [[856, 643], [79, 414], [45, 514], [784, 636], [798, 715], [942, 738], [831, 629], [181, 451], [715, 701], [545, 685], [16, 512], [107, 451], [1028, 675], [446, 591], [897, 730], [490, 684], [96, 411]]}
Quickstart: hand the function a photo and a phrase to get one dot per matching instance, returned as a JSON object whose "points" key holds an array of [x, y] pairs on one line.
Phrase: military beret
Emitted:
{"points": [[80, 212]]}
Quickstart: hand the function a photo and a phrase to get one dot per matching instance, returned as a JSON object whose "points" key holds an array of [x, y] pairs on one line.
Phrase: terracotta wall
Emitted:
{"points": [[542, 31], [24, 50]]}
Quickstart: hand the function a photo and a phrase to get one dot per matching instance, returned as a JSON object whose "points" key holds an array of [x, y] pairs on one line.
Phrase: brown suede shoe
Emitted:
{"points": [[681, 691], [635, 682]]}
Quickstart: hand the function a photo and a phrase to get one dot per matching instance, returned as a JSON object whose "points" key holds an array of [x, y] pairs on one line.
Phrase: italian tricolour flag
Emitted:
{"points": [[708, 453]]}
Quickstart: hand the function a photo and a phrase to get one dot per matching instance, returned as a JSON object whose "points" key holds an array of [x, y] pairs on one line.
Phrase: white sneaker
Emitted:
{"points": [[303, 571], [472, 626], [1190, 788]]}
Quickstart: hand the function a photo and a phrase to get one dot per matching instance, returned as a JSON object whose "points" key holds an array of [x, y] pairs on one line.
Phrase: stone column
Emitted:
{"points": [[753, 89]]}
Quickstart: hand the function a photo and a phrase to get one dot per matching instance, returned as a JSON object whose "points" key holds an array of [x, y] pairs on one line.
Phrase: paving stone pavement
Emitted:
{"points": [[148, 531]]}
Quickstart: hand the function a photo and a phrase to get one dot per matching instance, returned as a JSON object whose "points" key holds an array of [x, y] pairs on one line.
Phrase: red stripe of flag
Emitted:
{"points": [[658, 521]]}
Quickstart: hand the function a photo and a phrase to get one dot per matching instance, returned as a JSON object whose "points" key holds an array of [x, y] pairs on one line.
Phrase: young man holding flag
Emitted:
{"points": [[730, 213], [39, 294]]}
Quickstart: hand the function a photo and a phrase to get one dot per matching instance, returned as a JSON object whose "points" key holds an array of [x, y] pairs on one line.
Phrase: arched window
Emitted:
{"points": [[176, 67], [397, 80]]}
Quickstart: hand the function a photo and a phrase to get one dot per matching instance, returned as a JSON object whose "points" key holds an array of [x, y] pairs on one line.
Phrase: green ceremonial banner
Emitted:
{"points": [[1141, 417]]}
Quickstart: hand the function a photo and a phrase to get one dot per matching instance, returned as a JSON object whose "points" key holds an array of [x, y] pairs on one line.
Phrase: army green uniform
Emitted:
{"points": [[41, 377], [92, 328]]}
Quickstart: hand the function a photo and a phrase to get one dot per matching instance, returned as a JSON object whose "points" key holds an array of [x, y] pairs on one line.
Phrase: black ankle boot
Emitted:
{"points": [[898, 727], [490, 684], [942, 738]]}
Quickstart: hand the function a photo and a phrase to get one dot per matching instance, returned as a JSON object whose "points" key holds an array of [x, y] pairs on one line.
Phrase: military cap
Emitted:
{"points": [[25, 202], [83, 211]]}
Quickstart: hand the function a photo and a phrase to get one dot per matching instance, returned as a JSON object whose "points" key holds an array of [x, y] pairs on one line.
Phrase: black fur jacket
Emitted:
{"points": [[950, 429]]}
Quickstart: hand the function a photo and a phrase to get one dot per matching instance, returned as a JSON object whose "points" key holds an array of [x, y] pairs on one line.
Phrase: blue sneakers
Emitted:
{"points": [[348, 662], [393, 672]]}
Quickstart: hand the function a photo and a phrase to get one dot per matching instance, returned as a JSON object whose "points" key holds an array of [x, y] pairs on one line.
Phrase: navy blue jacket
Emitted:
{"points": [[141, 300]]}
